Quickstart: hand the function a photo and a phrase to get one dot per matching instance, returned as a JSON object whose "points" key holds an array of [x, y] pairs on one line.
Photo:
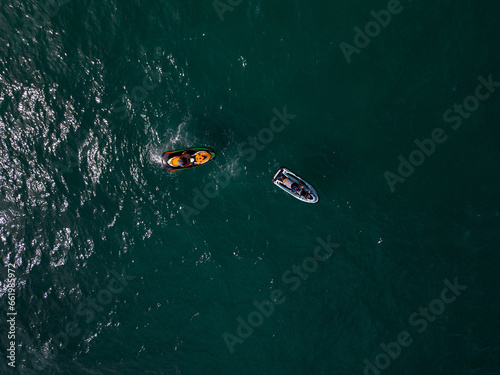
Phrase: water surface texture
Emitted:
{"points": [[389, 109]]}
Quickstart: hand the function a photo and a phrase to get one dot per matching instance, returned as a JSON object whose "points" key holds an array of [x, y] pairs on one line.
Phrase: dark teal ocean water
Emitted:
{"points": [[122, 268]]}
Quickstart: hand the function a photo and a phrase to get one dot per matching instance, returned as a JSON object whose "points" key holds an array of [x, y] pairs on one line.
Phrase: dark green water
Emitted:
{"points": [[119, 271]]}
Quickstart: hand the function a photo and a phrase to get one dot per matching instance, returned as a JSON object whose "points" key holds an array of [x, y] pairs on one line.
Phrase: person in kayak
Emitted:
{"points": [[188, 160], [184, 160], [297, 189], [293, 186]]}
